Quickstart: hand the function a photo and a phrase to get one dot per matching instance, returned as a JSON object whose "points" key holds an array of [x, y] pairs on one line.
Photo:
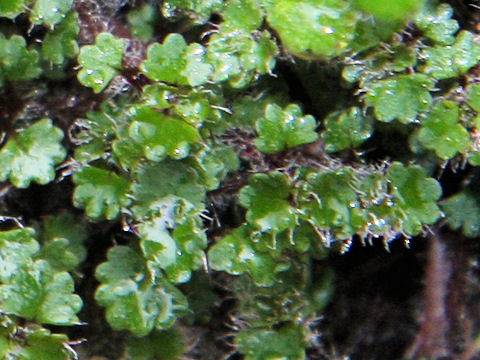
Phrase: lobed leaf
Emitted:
{"points": [[169, 177], [40, 343], [160, 136], [101, 192], [416, 196], [437, 23], [400, 97], [281, 129], [266, 198], [133, 301], [346, 129], [61, 43], [32, 155], [236, 255], [463, 212], [17, 63], [100, 62], [443, 62], [63, 242], [17, 248], [442, 132], [245, 15], [38, 293], [176, 63], [50, 12], [330, 29]]}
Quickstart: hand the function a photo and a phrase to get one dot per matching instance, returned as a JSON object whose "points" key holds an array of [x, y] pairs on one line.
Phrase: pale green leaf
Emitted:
{"points": [[133, 302], [17, 248], [38, 293], [32, 154], [50, 12], [437, 23], [443, 62]]}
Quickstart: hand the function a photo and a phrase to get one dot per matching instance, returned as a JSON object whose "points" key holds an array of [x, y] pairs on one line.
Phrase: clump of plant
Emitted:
{"points": [[197, 143]]}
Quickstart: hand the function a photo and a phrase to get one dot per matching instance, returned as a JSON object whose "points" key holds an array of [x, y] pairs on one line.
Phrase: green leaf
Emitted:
{"points": [[50, 12], [100, 62], [166, 178], [12, 8], [443, 62], [346, 129], [32, 155], [38, 293], [399, 97], [289, 342], [159, 345], [101, 192], [156, 243], [160, 135], [243, 14], [61, 43], [281, 129], [41, 344], [463, 212], [416, 196], [239, 57], [17, 248], [331, 25], [266, 198], [394, 10], [63, 238], [173, 240], [236, 255], [176, 63], [133, 301], [442, 132], [473, 98], [199, 11], [330, 203], [437, 23], [141, 21], [17, 63]]}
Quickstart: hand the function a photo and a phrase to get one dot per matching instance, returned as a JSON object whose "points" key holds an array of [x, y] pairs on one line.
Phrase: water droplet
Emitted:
{"points": [[55, 10], [328, 30], [90, 72]]}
